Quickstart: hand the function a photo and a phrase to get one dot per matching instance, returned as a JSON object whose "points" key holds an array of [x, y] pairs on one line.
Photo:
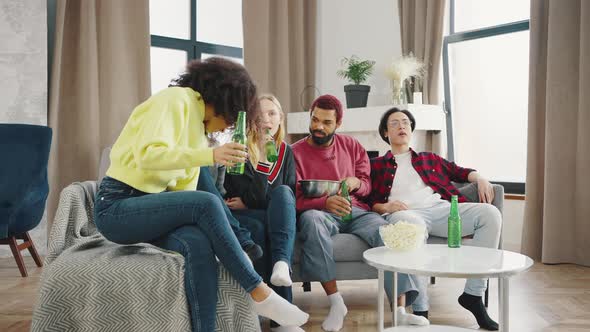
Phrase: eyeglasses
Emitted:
{"points": [[397, 123]]}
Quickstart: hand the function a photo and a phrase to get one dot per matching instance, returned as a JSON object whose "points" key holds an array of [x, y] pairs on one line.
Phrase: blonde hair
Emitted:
{"points": [[254, 133]]}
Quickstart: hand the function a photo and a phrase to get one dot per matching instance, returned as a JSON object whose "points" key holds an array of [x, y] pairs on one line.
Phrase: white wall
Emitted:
{"points": [[513, 222], [369, 30], [23, 61], [23, 73]]}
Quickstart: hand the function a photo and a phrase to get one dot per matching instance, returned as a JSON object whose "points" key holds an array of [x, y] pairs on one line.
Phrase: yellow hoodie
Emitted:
{"points": [[163, 143]]}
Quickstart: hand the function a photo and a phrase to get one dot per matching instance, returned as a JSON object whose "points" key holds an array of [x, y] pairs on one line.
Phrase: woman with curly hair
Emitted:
{"points": [[151, 192]]}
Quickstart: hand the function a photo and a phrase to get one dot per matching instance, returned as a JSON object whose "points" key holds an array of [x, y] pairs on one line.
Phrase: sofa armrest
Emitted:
{"points": [[469, 190]]}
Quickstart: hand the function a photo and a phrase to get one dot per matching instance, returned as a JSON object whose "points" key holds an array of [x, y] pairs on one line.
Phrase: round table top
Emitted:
{"points": [[438, 260], [428, 328]]}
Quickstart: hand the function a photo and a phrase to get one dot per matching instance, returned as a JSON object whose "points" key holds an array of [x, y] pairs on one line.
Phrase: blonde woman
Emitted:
{"points": [[262, 198]]}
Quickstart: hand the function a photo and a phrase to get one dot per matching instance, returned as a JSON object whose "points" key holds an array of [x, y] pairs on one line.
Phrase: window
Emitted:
{"points": [[182, 30], [474, 15], [485, 68], [166, 64], [170, 18], [213, 14]]}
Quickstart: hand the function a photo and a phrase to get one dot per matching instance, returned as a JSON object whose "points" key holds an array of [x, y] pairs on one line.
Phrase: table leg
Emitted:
{"points": [[380, 296], [504, 304], [394, 299]]}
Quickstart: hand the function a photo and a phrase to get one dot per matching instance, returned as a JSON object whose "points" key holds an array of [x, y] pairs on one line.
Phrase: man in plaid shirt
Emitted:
{"points": [[417, 187]]}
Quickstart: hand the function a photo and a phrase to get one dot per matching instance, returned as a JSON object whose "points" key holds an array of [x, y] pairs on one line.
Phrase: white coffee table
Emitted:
{"points": [[438, 260]]}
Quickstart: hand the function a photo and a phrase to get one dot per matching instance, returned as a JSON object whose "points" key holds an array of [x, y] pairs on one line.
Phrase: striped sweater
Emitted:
{"points": [[253, 186]]}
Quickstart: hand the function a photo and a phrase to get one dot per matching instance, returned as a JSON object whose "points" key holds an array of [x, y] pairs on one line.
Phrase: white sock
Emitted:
{"points": [[338, 311], [405, 318], [280, 275], [287, 329], [280, 310]]}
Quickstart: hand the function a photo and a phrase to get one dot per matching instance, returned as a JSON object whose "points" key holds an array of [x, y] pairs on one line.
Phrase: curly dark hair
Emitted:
{"points": [[224, 84], [385, 117], [328, 102]]}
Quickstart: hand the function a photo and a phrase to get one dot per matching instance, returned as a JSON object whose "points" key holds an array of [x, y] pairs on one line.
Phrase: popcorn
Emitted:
{"points": [[403, 236]]}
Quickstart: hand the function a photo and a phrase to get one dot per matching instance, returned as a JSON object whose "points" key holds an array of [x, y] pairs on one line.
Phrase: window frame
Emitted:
{"points": [[194, 48], [458, 37]]}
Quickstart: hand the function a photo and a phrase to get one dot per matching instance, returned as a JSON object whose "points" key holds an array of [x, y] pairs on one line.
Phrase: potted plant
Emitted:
{"points": [[357, 72]]}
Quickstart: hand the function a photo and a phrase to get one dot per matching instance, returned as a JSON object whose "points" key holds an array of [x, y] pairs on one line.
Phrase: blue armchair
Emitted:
{"points": [[23, 185]]}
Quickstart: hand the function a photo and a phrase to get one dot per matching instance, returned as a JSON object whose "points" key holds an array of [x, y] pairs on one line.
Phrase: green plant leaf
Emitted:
{"points": [[355, 70]]}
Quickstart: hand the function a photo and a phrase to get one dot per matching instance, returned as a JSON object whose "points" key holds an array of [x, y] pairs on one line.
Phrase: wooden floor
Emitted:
{"points": [[17, 294], [547, 298]]}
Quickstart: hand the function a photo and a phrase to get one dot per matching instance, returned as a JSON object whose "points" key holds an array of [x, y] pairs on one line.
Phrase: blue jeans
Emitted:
{"points": [[207, 184], [316, 229], [192, 223], [273, 229]]}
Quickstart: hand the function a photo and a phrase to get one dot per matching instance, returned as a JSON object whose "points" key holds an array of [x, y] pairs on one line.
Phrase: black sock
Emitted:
{"points": [[421, 313], [475, 305], [253, 251]]}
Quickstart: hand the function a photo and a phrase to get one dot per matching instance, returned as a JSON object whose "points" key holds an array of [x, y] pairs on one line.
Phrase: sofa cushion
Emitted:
{"points": [[347, 248]]}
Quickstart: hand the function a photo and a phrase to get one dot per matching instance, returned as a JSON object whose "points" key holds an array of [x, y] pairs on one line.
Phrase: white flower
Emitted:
{"points": [[403, 68], [403, 235]]}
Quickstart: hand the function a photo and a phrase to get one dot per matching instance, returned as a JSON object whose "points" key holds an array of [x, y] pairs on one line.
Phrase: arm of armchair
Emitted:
{"points": [[469, 190]]}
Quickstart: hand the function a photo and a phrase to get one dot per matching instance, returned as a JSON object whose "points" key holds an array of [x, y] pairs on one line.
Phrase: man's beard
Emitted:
{"points": [[321, 140]]}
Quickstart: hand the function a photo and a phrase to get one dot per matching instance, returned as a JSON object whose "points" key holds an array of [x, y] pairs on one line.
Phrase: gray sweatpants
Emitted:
{"points": [[483, 221], [316, 229]]}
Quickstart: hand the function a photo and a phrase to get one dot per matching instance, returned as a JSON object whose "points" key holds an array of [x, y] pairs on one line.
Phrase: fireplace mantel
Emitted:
{"points": [[362, 123], [366, 119]]}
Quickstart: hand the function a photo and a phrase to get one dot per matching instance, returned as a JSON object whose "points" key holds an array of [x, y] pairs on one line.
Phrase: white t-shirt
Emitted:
{"points": [[408, 186]]}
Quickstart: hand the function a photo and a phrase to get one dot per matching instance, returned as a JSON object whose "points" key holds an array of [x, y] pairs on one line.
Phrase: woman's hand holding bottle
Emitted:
{"points": [[230, 154]]}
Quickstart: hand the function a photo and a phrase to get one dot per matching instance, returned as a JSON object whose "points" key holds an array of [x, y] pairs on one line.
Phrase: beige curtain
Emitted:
{"points": [[421, 23], [100, 72], [557, 207], [422, 26], [279, 48]]}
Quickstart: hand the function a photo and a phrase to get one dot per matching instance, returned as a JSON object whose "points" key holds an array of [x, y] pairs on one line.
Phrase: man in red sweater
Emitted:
{"points": [[324, 155]]}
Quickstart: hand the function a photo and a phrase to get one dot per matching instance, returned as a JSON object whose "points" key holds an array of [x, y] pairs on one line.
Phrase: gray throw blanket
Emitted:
{"points": [[92, 284]]}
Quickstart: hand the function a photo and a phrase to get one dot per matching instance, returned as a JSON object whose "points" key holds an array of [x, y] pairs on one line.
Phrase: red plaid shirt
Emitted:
{"points": [[435, 171]]}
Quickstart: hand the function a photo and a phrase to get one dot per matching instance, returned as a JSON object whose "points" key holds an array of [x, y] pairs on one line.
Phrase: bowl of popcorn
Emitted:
{"points": [[403, 235]]}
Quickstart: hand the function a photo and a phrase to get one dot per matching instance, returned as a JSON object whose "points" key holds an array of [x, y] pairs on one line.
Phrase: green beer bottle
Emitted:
{"points": [[344, 193], [454, 236], [271, 150], [239, 136]]}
